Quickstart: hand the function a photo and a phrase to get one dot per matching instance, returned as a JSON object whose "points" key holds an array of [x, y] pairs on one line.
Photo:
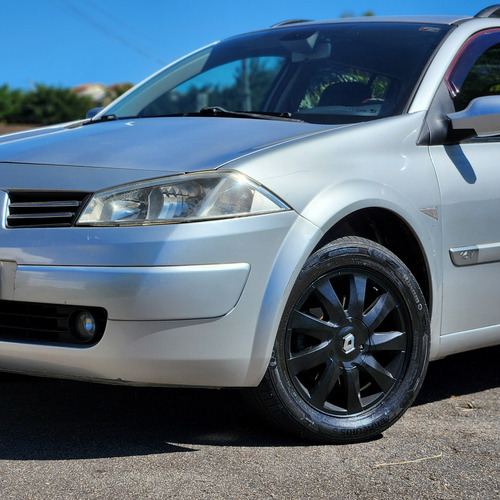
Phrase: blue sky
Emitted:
{"points": [[70, 42]]}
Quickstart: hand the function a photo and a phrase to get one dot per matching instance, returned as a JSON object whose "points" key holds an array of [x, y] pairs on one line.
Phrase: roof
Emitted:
{"points": [[448, 20]]}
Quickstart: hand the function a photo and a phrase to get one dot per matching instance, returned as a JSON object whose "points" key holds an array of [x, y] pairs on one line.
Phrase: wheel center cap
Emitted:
{"points": [[351, 340], [349, 343]]}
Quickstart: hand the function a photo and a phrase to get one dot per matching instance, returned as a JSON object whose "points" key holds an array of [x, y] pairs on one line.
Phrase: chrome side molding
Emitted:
{"points": [[475, 254]]}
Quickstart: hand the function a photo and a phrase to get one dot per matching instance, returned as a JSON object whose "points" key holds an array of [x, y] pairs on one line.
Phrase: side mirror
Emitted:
{"points": [[93, 112], [481, 118]]}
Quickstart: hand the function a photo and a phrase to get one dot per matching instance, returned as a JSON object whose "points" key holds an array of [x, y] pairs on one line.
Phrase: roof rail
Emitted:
{"points": [[293, 21], [493, 11]]}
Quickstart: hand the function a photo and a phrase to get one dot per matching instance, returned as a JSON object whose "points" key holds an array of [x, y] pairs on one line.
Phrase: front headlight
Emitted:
{"points": [[188, 197]]}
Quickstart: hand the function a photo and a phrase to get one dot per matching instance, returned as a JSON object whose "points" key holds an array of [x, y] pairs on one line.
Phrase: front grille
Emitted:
{"points": [[35, 323], [44, 209]]}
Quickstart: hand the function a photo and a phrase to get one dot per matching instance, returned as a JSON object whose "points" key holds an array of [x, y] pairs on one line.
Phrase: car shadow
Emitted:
{"points": [[460, 375], [44, 419]]}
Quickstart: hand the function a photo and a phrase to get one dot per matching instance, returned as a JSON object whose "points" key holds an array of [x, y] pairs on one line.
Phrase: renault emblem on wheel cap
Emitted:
{"points": [[348, 343]]}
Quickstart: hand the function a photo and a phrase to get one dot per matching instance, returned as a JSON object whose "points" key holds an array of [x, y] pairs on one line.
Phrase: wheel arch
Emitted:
{"points": [[318, 386], [391, 231], [378, 224]]}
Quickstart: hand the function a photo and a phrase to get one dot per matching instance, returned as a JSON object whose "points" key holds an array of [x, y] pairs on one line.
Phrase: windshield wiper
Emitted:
{"points": [[257, 115], [208, 111], [103, 118]]}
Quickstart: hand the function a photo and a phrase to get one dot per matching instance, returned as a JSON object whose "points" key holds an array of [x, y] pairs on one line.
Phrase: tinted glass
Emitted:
{"points": [[323, 74], [476, 73], [237, 85]]}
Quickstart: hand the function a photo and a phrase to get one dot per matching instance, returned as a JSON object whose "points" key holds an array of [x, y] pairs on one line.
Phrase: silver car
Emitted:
{"points": [[309, 211]]}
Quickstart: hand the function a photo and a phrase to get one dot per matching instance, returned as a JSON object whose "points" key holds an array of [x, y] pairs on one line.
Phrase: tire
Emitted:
{"points": [[352, 349]]}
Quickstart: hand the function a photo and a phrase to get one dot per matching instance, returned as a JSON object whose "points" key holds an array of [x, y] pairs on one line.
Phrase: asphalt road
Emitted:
{"points": [[71, 440]]}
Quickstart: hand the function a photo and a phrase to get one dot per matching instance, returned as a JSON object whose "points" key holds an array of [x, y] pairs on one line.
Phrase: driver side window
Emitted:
{"points": [[476, 72]]}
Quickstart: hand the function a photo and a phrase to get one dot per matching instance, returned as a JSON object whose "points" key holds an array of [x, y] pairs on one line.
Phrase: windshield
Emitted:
{"points": [[331, 73]]}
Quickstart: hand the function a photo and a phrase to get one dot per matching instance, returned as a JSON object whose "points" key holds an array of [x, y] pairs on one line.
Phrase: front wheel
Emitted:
{"points": [[352, 348]]}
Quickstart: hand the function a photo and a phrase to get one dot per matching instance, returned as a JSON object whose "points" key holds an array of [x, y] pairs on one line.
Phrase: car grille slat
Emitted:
{"points": [[39, 209], [47, 204], [27, 216]]}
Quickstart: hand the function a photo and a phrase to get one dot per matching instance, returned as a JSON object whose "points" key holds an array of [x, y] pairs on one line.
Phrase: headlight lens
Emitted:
{"points": [[188, 197]]}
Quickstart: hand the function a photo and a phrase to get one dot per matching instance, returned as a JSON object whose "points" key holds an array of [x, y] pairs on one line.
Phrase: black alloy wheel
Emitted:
{"points": [[353, 346]]}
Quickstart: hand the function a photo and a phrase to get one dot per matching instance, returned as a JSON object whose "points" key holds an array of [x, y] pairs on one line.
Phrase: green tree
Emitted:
{"points": [[43, 106], [48, 105], [115, 91], [10, 101]]}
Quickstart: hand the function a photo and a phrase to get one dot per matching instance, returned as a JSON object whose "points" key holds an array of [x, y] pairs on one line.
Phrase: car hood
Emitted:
{"points": [[178, 144]]}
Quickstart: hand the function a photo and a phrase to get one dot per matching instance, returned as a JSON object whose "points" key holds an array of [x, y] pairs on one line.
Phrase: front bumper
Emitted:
{"points": [[189, 304], [137, 293]]}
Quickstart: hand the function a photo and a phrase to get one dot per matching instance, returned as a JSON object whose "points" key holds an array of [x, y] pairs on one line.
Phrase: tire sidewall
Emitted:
{"points": [[376, 259]]}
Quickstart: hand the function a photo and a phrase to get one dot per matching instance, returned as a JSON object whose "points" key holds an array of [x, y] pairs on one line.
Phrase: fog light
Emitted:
{"points": [[83, 326]]}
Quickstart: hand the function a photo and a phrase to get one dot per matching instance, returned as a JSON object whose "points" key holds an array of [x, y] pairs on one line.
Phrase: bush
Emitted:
{"points": [[9, 102], [43, 106]]}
